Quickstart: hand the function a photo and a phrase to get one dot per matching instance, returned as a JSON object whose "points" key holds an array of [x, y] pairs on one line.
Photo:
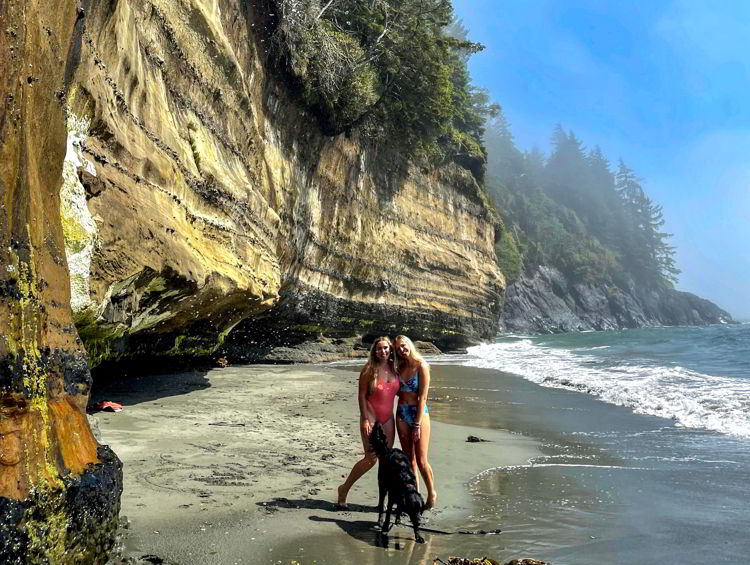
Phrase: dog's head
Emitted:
{"points": [[378, 440]]}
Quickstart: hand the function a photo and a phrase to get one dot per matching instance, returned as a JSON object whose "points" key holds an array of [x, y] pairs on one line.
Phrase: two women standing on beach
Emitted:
{"points": [[378, 386], [391, 369]]}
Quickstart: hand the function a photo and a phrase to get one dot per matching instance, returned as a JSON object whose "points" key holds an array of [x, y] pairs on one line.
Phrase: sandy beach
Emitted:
{"points": [[240, 465]]}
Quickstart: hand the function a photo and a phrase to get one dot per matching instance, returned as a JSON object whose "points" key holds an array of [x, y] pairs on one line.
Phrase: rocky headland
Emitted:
{"points": [[545, 301]]}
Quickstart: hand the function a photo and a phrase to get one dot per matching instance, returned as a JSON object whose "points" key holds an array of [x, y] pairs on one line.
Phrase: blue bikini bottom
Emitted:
{"points": [[408, 413]]}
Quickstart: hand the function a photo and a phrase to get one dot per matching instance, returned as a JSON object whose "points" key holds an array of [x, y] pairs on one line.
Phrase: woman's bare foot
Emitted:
{"points": [[431, 499], [341, 501]]}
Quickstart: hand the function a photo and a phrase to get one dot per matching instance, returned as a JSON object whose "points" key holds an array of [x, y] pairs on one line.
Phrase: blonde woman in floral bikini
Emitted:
{"points": [[413, 418]]}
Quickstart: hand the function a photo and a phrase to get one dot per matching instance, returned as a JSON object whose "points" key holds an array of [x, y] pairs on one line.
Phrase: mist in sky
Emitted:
{"points": [[662, 85]]}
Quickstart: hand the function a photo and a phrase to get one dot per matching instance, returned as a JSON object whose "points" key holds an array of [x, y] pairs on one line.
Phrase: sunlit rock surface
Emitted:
{"points": [[216, 201], [59, 491]]}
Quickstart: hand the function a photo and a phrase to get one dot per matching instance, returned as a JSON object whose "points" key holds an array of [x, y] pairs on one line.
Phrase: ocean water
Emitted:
{"points": [[699, 377], [645, 435]]}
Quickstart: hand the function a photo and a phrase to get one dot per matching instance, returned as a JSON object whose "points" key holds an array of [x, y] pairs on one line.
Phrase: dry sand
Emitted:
{"points": [[240, 465]]}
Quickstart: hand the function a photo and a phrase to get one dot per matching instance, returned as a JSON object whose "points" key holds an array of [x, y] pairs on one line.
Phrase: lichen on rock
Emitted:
{"points": [[79, 227]]}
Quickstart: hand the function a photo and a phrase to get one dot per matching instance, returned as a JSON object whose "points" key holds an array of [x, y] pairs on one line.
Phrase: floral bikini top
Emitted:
{"points": [[412, 385]]}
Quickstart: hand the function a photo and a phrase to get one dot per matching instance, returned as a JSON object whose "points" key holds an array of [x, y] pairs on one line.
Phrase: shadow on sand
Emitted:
{"points": [[366, 531], [131, 390], [314, 504]]}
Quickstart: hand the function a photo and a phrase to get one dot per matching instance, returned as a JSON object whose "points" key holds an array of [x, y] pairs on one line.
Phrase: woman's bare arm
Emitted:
{"points": [[424, 385], [364, 405]]}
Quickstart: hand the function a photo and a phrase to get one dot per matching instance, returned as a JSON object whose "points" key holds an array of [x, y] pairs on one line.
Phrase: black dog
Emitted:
{"points": [[396, 478]]}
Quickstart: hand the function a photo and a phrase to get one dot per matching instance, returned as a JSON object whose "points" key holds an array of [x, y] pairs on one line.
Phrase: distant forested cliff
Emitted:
{"points": [[582, 245]]}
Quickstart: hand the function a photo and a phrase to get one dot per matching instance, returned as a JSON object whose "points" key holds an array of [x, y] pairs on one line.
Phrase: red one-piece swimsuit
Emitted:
{"points": [[382, 400]]}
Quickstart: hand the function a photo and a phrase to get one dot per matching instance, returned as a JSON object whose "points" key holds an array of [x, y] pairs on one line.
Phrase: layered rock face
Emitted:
{"points": [[59, 491], [545, 302], [214, 200]]}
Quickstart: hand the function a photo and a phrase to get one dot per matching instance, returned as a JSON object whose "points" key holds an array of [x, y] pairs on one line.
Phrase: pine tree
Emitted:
{"points": [[506, 162], [605, 211], [644, 247], [566, 171]]}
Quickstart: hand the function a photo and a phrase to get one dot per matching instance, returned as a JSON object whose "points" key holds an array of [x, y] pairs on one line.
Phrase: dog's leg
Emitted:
{"points": [[382, 490], [418, 538], [415, 524], [387, 524]]}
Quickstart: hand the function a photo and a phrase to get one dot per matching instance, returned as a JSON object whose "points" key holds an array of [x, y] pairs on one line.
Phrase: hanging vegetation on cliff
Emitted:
{"points": [[392, 69]]}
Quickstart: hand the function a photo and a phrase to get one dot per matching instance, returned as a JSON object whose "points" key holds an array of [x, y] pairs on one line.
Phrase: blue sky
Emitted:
{"points": [[663, 85]]}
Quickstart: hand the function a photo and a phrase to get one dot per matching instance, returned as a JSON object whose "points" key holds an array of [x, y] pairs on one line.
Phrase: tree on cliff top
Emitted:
{"points": [[645, 248], [392, 69]]}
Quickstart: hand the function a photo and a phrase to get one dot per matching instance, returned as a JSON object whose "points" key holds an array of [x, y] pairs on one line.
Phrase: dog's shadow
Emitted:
{"points": [[313, 504], [364, 530]]}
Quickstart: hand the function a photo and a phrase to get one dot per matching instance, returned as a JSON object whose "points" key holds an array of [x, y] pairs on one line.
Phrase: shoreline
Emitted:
{"points": [[223, 466]]}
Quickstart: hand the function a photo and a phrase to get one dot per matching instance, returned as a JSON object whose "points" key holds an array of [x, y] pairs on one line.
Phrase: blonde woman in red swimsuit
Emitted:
{"points": [[378, 386]]}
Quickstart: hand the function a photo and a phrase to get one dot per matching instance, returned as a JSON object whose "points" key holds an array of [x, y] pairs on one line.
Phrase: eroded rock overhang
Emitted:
{"points": [[220, 213]]}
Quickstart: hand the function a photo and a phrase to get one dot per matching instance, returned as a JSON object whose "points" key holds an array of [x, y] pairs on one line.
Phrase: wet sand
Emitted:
{"points": [[240, 465]]}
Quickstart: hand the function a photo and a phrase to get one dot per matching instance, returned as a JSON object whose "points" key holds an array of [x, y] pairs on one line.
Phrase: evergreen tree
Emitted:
{"points": [[631, 196], [572, 212], [386, 68], [645, 249], [605, 209], [506, 162], [534, 163], [566, 172]]}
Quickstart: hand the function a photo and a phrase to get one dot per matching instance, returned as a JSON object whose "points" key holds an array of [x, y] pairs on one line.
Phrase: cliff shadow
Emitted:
{"points": [[129, 387]]}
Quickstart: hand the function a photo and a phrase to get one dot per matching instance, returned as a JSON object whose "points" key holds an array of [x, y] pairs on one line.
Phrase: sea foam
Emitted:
{"points": [[688, 397]]}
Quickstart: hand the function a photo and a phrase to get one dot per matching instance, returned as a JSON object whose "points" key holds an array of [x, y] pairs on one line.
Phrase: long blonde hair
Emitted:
{"points": [[370, 371], [415, 357]]}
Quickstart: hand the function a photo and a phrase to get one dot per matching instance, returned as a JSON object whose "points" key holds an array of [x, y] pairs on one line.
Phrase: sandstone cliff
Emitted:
{"points": [[59, 491], [544, 301], [199, 195]]}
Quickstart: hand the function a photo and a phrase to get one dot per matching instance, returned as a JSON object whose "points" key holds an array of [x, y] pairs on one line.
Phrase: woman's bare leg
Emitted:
{"points": [[363, 465], [424, 466]]}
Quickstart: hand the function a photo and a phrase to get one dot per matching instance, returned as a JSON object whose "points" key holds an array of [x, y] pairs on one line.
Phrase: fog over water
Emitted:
{"points": [[659, 85]]}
